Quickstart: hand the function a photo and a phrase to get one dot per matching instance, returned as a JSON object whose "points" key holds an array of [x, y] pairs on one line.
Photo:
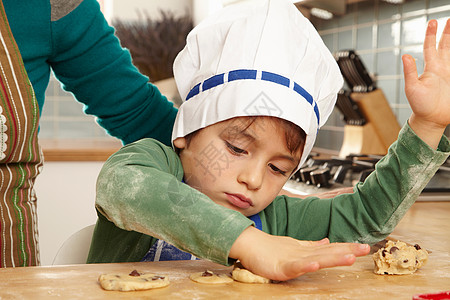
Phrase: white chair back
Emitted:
{"points": [[76, 248]]}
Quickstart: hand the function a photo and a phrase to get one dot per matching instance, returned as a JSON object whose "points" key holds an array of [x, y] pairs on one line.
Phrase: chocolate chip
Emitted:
{"points": [[417, 247], [157, 277], [393, 249], [383, 253], [135, 273], [386, 273], [207, 274], [405, 261]]}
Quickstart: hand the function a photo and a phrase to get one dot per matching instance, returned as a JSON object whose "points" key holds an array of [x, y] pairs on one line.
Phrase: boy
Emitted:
{"points": [[248, 123]]}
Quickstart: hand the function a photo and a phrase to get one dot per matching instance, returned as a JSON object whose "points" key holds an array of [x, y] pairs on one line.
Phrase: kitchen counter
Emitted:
{"points": [[79, 150], [426, 223]]}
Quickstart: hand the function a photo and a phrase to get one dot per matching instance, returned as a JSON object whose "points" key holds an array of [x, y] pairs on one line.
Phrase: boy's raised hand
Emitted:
{"points": [[429, 94], [284, 258]]}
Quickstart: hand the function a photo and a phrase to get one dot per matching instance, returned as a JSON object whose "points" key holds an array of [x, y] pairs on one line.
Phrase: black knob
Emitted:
{"points": [[305, 174], [320, 177]]}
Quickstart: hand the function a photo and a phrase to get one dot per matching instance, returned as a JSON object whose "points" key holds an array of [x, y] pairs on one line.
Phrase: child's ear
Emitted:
{"points": [[180, 143]]}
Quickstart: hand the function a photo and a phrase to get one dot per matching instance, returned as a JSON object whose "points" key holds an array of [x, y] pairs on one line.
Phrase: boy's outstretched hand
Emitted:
{"points": [[284, 258], [429, 94]]}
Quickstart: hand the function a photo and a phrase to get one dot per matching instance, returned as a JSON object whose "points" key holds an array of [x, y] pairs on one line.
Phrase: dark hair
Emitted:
{"points": [[294, 136]]}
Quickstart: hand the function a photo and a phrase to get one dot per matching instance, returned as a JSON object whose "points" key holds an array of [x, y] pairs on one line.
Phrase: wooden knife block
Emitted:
{"points": [[380, 130]]}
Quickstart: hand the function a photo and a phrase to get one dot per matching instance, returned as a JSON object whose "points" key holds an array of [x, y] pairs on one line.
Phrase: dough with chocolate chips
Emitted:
{"points": [[210, 277], [398, 258], [134, 281]]}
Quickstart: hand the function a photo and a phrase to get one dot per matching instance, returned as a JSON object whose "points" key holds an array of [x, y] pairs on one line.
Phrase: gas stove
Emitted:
{"points": [[320, 174]]}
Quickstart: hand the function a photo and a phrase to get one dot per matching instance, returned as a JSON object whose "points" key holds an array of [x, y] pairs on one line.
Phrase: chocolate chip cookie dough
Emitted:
{"points": [[210, 277], [134, 281], [397, 258]]}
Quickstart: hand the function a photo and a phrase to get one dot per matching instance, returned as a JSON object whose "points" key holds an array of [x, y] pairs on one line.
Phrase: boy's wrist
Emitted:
{"points": [[241, 245], [429, 132]]}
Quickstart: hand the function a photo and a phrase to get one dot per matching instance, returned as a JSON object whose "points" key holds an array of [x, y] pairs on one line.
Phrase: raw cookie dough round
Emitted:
{"points": [[134, 281], [245, 276], [398, 258], [210, 277]]}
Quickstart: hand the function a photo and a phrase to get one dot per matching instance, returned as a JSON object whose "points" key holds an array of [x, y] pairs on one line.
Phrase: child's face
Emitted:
{"points": [[238, 164]]}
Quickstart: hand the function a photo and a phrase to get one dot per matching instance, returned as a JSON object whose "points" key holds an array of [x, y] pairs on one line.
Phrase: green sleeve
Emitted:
{"points": [[88, 59], [375, 207], [139, 189]]}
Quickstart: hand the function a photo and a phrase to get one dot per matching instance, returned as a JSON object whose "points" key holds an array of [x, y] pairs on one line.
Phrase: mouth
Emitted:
{"points": [[239, 200]]}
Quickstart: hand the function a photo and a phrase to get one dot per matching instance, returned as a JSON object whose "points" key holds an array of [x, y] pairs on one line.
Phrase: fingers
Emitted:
{"points": [[324, 241], [324, 249], [409, 70], [298, 268], [343, 250], [338, 254], [429, 44], [347, 248], [444, 43], [336, 260], [325, 256], [360, 249]]}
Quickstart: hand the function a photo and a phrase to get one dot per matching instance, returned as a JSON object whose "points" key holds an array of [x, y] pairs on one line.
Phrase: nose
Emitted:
{"points": [[252, 175]]}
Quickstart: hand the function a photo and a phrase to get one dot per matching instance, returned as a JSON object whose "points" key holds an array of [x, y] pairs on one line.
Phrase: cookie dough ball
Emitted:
{"points": [[243, 275], [397, 258]]}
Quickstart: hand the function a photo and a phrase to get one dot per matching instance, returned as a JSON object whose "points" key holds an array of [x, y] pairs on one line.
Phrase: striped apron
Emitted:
{"points": [[20, 156]]}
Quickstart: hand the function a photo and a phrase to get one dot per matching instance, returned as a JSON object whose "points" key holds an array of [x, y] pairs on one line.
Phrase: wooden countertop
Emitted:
{"points": [[79, 150], [427, 223]]}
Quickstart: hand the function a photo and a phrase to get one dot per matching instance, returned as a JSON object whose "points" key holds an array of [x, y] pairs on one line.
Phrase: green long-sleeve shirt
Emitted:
{"points": [[73, 39], [140, 197]]}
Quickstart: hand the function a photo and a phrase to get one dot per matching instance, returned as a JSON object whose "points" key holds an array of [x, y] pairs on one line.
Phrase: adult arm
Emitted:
{"points": [[88, 59]]}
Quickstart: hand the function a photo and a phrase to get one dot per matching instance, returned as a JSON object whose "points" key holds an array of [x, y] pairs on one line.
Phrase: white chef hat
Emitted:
{"points": [[256, 57]]}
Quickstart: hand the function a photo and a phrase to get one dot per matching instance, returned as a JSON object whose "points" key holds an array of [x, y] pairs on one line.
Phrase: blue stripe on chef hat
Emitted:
{"points": [[244, 74]]}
